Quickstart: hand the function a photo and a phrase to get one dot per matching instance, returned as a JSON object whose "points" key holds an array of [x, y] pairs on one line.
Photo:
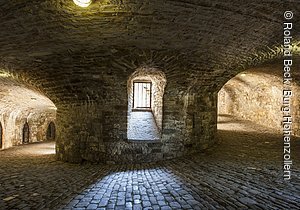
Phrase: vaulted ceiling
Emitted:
{"points": [[64, 49]]}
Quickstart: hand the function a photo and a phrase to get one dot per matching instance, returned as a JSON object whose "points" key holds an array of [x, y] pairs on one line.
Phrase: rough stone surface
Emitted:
{"points": [[244, 171], [20, 106], [256, 95], [82, 59], [158, 80]]}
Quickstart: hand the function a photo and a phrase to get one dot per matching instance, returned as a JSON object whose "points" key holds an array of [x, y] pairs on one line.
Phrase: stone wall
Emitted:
{"points": [[19, 105], [82, 59], [158, 80], [13, 122], [96, 131], [256, 95]]}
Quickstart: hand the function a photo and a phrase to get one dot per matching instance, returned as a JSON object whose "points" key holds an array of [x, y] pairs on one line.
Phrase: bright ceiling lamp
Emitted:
{"points": [[4, 74], [82, 3]]}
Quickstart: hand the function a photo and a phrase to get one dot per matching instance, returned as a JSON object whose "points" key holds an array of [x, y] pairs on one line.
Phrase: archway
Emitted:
{"points": [[145, 104], [51, 131], [25, 139], [256, 96], [253, 95], [20, 103]]}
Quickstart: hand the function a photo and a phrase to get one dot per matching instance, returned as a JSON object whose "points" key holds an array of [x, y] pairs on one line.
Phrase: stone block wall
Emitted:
{"points": [[19, 105], [158, 80], [82, 59], [256, 95], [96, 131]]}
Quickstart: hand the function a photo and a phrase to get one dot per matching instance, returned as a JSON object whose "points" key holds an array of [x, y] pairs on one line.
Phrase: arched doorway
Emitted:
{"points": [[145, 104], [1, 136], [51, 131], [254, 95], [25, 133]]}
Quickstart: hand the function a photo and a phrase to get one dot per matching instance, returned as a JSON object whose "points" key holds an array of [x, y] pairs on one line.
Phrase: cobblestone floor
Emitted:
{"points": [[142, 126], [242, 172]]}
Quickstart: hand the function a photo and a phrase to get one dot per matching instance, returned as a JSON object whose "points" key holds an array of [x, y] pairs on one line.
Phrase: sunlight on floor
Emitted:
{"points": [[142, 126], [229, 123], [46, 149], [149, 187], [36, 149]]}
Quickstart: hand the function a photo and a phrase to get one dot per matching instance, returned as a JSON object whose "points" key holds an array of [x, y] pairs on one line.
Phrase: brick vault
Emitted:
{"points": [[81, 60]]}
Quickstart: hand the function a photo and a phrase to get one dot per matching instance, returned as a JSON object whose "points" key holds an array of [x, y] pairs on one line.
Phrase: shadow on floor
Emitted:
{"points": [[244, 171]]}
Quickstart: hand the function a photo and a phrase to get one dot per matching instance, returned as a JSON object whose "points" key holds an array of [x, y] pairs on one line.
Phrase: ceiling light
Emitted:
{"points": [[52, 107], [82, 3], [4, 74], [243, 75]]}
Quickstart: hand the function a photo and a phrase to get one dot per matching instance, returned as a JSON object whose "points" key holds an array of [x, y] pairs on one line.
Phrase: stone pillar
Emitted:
{"points": [[80, 133], [205, 120]]}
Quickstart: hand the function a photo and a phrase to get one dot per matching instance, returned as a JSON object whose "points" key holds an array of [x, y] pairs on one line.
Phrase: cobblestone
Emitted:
{"points": [[226, 177]]}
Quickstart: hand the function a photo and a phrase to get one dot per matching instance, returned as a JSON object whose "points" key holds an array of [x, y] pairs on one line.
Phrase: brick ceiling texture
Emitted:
{"points": [[63, 50]]}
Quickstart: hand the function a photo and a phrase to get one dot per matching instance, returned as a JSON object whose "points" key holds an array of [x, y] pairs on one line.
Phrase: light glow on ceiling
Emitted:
{"points": [[4, 74], [82, 3]]}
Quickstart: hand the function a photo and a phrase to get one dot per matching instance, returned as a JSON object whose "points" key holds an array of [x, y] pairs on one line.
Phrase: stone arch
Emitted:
{"points": [[256, 95], [27, 104], [158, 81], [25, 133], [51, 131]]}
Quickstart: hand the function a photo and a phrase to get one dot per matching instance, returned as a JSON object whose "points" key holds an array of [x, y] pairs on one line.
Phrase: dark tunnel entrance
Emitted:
{"points": [[25, 133], [51, 131]]}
